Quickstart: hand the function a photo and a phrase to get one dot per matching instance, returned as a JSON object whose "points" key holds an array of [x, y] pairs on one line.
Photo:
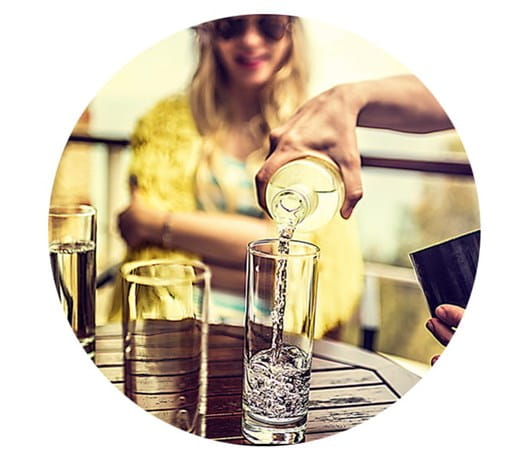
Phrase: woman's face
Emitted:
{"points": [[252, 48]]}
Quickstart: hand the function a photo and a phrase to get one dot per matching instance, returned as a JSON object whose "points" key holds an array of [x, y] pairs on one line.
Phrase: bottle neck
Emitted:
{"points": [[292, 205]]}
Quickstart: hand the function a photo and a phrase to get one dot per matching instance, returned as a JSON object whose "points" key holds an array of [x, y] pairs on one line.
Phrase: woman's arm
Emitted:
{"points": [[221, 238]]}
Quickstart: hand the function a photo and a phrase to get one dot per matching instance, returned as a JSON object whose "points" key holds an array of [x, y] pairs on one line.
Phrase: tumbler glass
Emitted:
{"points": [[281, 289], [165, 331], [72, 246]]}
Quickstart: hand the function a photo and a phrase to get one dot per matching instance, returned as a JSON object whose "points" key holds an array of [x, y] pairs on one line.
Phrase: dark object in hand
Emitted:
{"points": [[446, 271]]}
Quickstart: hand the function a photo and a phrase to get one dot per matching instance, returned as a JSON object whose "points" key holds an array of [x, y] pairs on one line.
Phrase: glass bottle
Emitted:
{"points": [[305, 193]]}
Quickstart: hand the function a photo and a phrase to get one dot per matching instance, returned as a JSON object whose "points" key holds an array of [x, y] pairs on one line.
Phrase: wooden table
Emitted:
{"points": [[348, 385]]}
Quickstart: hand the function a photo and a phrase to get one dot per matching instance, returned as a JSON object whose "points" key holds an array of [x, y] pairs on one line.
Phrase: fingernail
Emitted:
{"points": [[440, 312], [430, 325], [434, 359], [346, 211]]}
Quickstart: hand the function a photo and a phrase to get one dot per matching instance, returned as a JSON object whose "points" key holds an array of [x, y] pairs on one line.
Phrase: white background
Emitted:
{"points": [[56, 56]]}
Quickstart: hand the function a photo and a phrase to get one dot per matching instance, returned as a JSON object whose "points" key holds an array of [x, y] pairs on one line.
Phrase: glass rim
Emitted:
{"points": [[71, 210], [251, 249], [203, 274]]}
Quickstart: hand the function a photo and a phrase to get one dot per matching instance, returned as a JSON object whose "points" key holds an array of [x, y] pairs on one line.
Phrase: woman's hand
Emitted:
{"points": [[444, 325], [139, 224]]}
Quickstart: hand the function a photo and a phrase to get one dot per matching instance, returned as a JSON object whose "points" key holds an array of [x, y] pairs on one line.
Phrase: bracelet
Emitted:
{"points": [[165, 231]]}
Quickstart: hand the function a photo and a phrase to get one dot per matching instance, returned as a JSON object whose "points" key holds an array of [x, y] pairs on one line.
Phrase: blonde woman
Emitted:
{"points": [[195, 157]]}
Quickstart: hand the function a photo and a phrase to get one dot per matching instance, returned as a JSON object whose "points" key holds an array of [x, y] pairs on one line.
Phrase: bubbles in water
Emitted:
{"points": [[277, 388]]}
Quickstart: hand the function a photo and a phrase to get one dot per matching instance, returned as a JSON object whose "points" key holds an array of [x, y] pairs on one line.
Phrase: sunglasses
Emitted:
{"points": [[270, 27]]}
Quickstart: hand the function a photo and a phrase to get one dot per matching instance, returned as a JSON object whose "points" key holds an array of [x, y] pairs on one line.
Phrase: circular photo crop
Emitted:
{"points": [[264, 230]]}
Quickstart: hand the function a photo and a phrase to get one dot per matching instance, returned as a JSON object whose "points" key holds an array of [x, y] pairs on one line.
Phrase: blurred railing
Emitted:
{"points": [[371, 159], [374, 271]]}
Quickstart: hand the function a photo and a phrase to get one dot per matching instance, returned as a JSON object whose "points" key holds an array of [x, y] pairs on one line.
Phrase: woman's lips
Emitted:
{"points": [[250, 62]]}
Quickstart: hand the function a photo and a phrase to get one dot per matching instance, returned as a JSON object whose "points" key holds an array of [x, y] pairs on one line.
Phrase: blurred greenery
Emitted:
{"points": [[402, 332], [446, 207]]}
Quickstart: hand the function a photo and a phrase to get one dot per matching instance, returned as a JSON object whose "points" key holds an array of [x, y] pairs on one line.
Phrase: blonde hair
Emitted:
{"points": [[280, 97]]}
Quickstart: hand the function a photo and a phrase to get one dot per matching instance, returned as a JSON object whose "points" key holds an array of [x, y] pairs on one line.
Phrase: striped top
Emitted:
{"points": [[229, 307], [237, 175]]}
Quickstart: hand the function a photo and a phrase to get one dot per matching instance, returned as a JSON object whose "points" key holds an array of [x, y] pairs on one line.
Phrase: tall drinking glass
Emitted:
{"points": [[72, 246], [165, 331], [281, 289]]}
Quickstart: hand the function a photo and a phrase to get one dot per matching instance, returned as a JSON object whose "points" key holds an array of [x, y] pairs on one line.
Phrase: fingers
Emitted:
{"points": [[350, 168], [126, 227], [262, 178], [440, 331], [123, 226], [446, 321], [274, 139], [352, 190], [346, 154], [122, 231], [450, 315]]}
